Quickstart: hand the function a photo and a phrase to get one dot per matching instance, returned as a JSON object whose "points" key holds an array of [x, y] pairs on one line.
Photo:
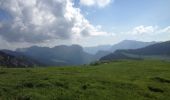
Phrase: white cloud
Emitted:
{"points": [[145, 33], [165, 30], [99, 27], [36, 21], [148, 30], [87, 2], [143, 30], [99, 3]]}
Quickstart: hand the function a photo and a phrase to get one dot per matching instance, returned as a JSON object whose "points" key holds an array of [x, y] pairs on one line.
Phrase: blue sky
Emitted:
{"points": [[125, 14], [84, 22]]}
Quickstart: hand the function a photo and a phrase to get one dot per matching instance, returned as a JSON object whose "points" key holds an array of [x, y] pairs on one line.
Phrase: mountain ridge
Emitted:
{"points": [[12, 59], [58, 55], [158, 50], [69, 55]]}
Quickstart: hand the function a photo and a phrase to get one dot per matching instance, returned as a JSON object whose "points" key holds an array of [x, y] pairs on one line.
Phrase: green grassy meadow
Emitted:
{"points": [[116, 80]]}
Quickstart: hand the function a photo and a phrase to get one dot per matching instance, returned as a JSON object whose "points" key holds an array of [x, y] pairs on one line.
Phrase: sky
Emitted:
{"points": [[25, 23]]}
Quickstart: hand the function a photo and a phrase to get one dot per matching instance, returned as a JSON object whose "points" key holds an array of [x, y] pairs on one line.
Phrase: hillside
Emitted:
{"points": [[13, 59], [155, 51], [118, 80]]}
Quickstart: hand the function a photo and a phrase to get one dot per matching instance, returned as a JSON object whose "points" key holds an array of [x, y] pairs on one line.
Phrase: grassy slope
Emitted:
{"points": [[120, 80]]}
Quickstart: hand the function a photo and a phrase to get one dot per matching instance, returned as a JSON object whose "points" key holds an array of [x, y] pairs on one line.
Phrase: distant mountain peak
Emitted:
{"points": [[130, 44]]}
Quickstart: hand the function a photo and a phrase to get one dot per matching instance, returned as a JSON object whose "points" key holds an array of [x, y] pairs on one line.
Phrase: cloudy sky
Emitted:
{"points": [[86, 22]]}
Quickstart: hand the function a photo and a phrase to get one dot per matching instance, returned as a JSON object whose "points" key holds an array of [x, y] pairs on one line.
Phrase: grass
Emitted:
{"points": [[117, 80]]}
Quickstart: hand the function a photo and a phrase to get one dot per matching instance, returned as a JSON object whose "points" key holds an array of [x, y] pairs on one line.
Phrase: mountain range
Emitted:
{"points": [[72, 55], [155, 51], [59, 55], [100, 51]]}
